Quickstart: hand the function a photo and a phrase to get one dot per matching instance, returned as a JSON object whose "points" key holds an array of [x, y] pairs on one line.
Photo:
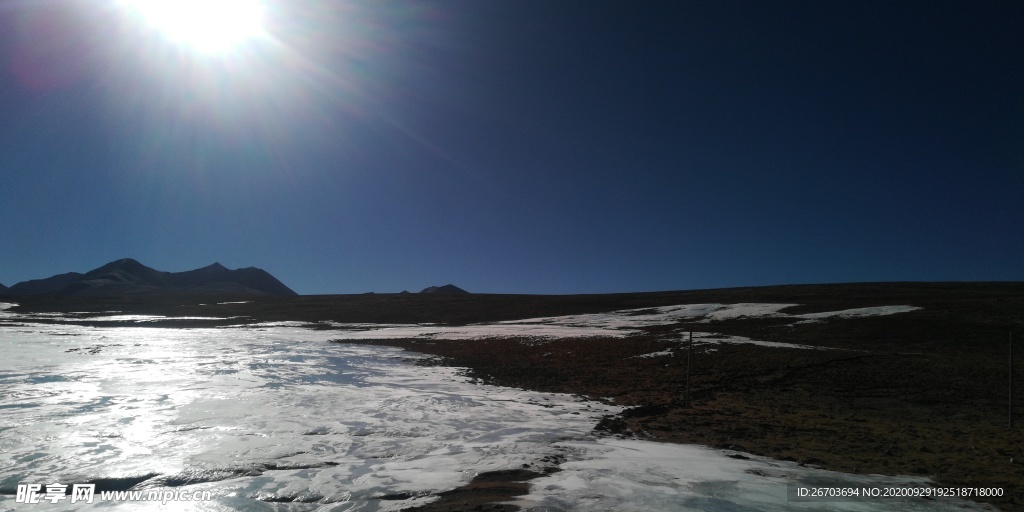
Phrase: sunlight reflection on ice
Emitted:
{"points": [[278, 413], [216, 406]]}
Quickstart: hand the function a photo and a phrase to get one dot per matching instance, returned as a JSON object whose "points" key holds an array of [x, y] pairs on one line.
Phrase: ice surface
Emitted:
{"points": [[113, 316], [271, 412], [146, 318], [275, 412]]}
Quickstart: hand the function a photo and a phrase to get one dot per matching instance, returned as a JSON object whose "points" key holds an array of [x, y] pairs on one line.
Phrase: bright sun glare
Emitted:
{"points": [[209, 26]]}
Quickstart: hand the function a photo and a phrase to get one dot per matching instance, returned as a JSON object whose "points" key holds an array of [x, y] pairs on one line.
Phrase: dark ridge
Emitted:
{"points": [[218, 279], [129, 277], [448, 288], [47, 286], [485, 492], [292, 498], [200, 476], [120, 484]]}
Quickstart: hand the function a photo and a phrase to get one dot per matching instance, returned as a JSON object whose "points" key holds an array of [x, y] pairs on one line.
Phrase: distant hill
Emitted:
{"points": [[448, 288], [3, 289], [129, 277]]}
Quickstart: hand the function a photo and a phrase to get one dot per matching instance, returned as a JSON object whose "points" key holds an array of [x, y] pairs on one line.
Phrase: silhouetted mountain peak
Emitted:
{"points": [[213, 268], [124, 264], [448, 288]]}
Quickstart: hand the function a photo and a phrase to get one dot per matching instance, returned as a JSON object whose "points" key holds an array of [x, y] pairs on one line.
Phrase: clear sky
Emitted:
{"points": [[517, 146]]}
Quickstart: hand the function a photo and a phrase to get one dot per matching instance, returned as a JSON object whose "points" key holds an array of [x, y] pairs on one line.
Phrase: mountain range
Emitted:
{"points": [[129, 277]]}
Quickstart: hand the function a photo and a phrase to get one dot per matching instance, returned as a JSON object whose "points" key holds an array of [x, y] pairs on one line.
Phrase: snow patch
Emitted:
{"points": [[856, 313], [657, 354], [616, 324]]}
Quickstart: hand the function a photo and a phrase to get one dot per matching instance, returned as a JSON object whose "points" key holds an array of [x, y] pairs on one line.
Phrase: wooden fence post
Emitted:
{"points": [[689, 354]]}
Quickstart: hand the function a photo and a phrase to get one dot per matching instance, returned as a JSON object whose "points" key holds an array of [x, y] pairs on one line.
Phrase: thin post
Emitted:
{"points": [[1010, 408], [689, 354]]}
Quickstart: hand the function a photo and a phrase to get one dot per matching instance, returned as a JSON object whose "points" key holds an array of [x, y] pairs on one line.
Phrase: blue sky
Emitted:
{"points": [[520, 146]]}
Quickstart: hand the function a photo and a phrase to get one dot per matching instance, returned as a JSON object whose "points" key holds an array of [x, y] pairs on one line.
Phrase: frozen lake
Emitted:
{"points": [[276, 417]]}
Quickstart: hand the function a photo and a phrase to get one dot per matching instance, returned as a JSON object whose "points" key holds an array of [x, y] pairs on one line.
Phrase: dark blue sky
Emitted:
{"points": [[521, 146]]}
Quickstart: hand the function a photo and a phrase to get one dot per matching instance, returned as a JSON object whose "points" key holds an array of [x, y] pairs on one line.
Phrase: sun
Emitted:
{"points": [[208, 26]]}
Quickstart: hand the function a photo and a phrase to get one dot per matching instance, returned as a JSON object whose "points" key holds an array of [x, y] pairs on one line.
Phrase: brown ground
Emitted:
{"points": [[920, 393], [872, 412]]}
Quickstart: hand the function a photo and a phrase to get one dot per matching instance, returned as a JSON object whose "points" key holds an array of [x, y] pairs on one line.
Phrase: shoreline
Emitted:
{"points": [[751, 399]]}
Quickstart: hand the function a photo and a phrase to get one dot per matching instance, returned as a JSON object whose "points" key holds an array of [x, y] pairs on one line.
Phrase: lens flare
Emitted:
{"points": [[209, 26]]}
